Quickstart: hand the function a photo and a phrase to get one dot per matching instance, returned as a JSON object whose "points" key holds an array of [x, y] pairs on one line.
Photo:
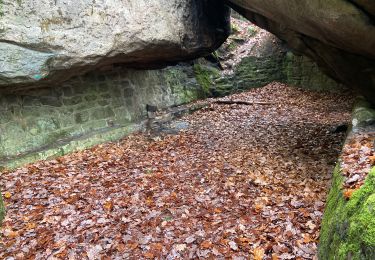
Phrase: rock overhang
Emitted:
{"points": [[338, 34], [48, 41]]}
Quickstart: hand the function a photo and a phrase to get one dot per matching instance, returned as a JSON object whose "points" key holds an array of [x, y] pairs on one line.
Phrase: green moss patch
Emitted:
{"points": [[348, 227], [205, 76], [2, 209], [1, 8]]}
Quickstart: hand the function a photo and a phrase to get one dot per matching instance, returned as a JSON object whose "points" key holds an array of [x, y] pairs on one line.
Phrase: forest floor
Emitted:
{"points": [[240, 182]]}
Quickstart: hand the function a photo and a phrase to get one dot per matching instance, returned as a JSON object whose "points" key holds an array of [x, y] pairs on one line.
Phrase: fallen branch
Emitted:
{"points": [[239, 102]]}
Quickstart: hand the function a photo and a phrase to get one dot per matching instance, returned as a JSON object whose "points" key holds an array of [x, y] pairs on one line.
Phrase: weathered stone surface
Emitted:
{"points": [[338, 34], [267, 61], [86, 110], [51, 40]]}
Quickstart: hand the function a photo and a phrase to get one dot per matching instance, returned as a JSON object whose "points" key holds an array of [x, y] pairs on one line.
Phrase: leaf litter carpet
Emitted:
{"points": [[242, 182]]}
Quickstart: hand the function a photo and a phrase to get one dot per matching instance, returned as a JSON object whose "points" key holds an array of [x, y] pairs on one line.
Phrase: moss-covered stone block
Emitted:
{"points": [[363, 113], [303, 72], [348, 227], [205, 76]]}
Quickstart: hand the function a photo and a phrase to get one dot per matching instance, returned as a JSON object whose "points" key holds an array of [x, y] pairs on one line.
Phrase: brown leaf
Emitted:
{"points": [[157, 246], [30, 226], [121, 247], [372, 160], [108, 206], [307, 238], [132, 246], [258, 207], [206, 244], [244, 240], [217, 210], [258, 253], [149, 255], [348, 193]]}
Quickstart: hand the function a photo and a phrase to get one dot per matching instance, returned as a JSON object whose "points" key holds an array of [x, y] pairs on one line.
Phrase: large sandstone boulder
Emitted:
{"points": [[338, 34], [46, 41]]}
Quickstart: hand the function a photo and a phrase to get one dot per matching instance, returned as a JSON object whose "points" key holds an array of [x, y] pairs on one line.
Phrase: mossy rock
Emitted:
{"points": [[205, 76], [348, 227], [363, 114]]}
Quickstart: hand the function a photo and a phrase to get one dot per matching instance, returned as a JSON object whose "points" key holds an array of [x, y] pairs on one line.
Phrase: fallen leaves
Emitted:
{"points": [[357, 158], [372, 160], [348, 193], [206, 244], [307, 238], [242, 182], [30, 226], [108, 206], [233, 245], [180, 247], [258, 253]]}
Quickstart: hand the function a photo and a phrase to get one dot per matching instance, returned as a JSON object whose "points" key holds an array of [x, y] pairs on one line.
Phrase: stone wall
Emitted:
{"points": [[100, 106], [301, 71], [282, 66]]}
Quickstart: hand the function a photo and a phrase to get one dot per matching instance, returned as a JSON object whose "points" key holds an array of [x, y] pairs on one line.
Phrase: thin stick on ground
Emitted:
{"points": [[240, 102]]}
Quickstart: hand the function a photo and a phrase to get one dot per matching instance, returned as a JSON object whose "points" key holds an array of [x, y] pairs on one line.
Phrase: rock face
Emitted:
{"points": [[338, 34], [51, 40]]}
